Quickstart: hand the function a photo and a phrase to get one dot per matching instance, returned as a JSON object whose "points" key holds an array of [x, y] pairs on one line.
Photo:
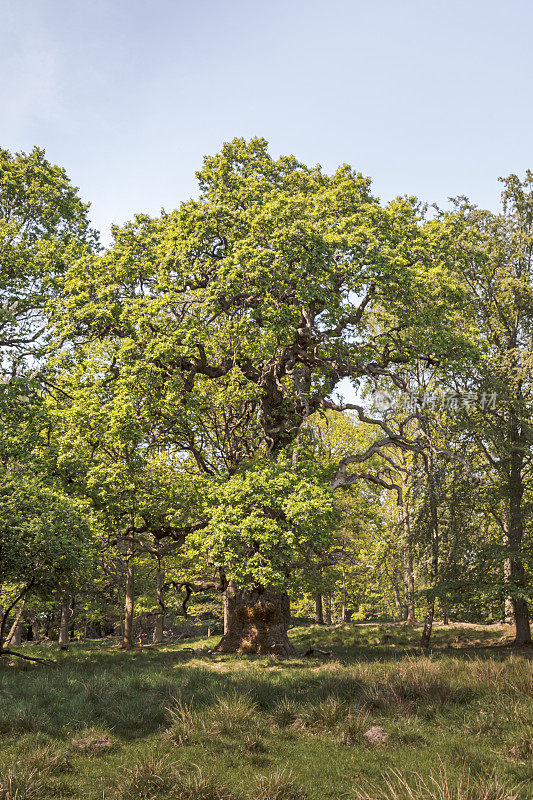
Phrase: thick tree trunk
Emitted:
{"points": [[127, 639], [319, 611], [64, 624], [160, 619], [257, 622]]}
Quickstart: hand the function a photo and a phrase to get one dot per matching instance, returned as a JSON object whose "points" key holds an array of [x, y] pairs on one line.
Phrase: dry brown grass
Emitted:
{"points": [[147, 779], [231, 716], [155, 777], [21, 782], [436, 787], [278, 786]]}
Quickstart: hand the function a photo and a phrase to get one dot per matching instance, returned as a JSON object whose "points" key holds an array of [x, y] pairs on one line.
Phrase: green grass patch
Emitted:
{"points": [[171, 723]]}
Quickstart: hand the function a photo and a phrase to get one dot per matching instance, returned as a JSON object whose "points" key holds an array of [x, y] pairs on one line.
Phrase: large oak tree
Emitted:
{"points": [[229, 322]]}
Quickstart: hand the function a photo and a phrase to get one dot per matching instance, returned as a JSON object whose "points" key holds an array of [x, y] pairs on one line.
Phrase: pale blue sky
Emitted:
{"points": [[428, 97]]}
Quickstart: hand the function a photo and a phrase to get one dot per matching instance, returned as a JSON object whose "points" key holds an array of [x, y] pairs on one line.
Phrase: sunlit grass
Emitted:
{"points": [[169, 723]]}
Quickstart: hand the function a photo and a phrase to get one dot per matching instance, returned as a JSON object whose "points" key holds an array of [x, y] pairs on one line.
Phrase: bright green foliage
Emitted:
{"points": [[202, 348], [252, 294], [264, 521], [43, 228], [213, 333], [498, 275], [45, 537]]}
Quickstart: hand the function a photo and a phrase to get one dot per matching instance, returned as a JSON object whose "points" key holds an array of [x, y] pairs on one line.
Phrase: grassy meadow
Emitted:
{"points": [[177, 722]]}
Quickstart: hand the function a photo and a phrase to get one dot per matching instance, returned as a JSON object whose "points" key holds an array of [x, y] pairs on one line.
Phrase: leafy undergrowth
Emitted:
{"points": [[173, 724]]}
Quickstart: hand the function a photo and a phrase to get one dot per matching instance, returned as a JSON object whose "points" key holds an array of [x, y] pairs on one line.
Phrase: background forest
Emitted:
{"points": [[283, 392]]}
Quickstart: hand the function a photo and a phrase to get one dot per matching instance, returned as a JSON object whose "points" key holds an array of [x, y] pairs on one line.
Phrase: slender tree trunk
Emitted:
{"points": [[434, 533], [5, 615], [35, 629], [160, 619], [257, 622], [409, 578], [411, 611], [15, 626], [405, 610], [517, 575], [119, 627], [225, 611], [65, 619], [327, 609], [319, 611], [127, 638], [72, 626], [428, 625], [508, 613], [397, 600], [16, 637], [344, 597]]}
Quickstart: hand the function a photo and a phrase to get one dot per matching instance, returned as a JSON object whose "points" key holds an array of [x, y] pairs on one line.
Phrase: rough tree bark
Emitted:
{"points": [[257, 622]]}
